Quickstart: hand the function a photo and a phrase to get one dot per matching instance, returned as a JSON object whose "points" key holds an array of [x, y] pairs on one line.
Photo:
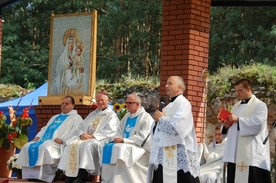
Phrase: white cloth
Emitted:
{"points": [[129, 161], [88, 151], [49, 152], [176, 128], [255, 127], [211, 171]]}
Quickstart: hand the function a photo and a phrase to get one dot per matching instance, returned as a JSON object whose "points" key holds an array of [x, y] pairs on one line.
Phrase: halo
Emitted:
{"points": [[70, 33]]}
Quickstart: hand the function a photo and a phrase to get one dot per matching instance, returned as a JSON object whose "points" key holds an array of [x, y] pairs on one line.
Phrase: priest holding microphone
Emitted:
{"points": [[173, 156], [247, 157]]}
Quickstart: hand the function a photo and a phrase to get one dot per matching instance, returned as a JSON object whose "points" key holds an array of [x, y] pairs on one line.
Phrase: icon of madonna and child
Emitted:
{"points": [[69, 75]]}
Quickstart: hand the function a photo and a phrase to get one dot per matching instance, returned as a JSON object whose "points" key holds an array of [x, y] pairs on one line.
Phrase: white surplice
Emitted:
{"points": [[129, 161], [174, 144], [84, 154], [254, 127], [211, 171], [49, 152]]}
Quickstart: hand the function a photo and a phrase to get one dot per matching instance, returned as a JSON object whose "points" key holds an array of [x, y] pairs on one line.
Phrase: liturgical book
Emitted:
{"points": [[223, 114]]}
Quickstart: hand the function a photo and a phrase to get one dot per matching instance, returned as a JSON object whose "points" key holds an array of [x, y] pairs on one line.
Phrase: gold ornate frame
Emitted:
{"points": [[72, 55]]}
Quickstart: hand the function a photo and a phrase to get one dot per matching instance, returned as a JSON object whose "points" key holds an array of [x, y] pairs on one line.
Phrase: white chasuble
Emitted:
{"points": [[72, 164]]}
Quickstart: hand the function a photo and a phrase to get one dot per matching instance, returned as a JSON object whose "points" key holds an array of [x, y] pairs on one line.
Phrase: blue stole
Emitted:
{"points": [[130, 124], [107, 150], [33, 148], [107, 153]]}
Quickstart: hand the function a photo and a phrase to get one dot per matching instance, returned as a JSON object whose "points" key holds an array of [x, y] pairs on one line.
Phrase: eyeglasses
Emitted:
{"points": [[131, 102], [239, 90], [217, 134]]}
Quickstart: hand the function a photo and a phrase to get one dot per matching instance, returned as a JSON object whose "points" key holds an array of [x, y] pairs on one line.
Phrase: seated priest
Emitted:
{"points": [[211, 170], [40, 157], [81, 155], [126, 158]]}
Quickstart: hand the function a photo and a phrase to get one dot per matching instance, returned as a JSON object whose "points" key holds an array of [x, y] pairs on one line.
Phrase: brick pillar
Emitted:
{"points": [[45, 112], [185, 43]]}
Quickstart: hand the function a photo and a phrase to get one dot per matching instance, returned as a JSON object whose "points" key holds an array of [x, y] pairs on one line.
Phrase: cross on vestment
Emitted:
{"points": [[242, 165]]}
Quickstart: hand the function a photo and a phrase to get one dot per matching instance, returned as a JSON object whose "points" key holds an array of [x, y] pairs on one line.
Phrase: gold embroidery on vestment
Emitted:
{"points": [[73, 165], [95, 122], [169, 151]]}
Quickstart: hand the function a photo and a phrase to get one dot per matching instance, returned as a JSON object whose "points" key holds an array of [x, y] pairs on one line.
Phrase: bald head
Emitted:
{"points": [[175, 86]]}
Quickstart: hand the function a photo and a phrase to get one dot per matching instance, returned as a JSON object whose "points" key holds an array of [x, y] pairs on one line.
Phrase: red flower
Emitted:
{"points": [[14, 133], [25, 113], [10, 137]]}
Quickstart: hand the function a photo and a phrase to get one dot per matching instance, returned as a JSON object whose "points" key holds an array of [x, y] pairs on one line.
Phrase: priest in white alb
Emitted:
{"points": [[212, 170], [174, 153], [247, 156], [126, 159], [81, 155], [40, 157]]}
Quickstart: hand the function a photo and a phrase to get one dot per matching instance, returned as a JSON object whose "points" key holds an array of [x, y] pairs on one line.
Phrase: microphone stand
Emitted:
{"points": [[142, 145], [273, 126]]}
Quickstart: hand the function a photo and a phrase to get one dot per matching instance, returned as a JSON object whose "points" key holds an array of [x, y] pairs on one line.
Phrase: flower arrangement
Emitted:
{"points": [[11, 165], [120, 109], [15, 133]]}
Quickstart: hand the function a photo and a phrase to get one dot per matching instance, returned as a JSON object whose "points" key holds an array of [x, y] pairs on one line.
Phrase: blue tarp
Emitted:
{"points": [[26, 100]]}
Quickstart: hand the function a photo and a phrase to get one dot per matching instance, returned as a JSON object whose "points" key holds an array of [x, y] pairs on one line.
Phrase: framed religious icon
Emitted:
{"points": [[72, 54]]}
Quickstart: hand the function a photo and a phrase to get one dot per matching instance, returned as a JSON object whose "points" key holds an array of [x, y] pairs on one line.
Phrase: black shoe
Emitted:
{"points": [[79, 180], [35, 180], [70, 179]]}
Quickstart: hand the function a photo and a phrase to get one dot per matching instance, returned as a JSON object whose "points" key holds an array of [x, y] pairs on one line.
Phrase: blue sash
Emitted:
{"points": [[130, 124], [107, 153], [107, 150], [33, 148]]}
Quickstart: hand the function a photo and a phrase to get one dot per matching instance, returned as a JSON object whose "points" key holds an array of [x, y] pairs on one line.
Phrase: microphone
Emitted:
{"points": [[273, 126], [161, 106]]}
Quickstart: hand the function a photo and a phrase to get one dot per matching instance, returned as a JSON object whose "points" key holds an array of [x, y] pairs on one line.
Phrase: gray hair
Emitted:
{"points": [[136, 97], [180, 82]]}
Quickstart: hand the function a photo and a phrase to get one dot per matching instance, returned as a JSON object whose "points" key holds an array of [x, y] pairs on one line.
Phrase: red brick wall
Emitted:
{"points": [[185, 43], [45, 112]]}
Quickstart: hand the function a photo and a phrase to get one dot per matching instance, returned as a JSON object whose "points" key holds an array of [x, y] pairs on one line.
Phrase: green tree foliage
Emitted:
{"points": [[242, 35], [128, 38], [130, 31]]}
